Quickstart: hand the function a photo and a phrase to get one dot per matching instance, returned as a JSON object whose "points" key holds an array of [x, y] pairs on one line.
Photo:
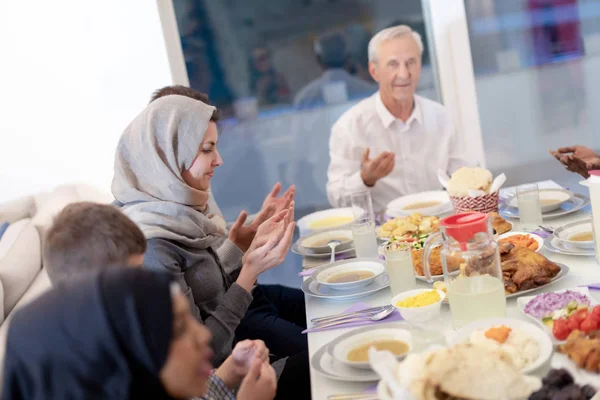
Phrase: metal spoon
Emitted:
{"points": [[332, 245], [377, 317]]}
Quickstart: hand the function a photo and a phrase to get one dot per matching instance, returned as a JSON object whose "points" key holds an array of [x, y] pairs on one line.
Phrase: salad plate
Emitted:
{"points": [[563, 305]]}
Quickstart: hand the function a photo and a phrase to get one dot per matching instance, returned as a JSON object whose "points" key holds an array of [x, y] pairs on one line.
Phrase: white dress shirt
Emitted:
{"points": [[425, 143]]}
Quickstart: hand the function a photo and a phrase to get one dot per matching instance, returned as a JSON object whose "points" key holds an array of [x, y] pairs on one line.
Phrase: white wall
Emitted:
{"points": [[73, 74]]}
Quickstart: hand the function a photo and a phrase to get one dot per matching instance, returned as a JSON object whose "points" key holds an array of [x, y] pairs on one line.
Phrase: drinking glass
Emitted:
{"points": [[530, 209], [363, 226], [399, 267]]}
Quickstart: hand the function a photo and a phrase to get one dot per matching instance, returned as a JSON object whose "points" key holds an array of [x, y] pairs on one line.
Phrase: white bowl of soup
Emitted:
{"points": [[426, 203], [349, 274], [318, 242], [579, 234], [550, 199], [326, 220], [352, 348]]}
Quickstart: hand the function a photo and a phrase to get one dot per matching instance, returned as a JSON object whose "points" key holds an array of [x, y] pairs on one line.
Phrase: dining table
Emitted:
{"points": [[582, 270]]}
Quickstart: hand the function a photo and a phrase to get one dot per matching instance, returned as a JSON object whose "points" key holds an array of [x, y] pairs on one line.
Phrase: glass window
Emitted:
{"points": [[535, 63], [274, 68]]}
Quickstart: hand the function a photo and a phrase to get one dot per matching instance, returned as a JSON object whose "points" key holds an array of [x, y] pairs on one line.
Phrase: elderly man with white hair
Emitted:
{"points": [[393, 143]]}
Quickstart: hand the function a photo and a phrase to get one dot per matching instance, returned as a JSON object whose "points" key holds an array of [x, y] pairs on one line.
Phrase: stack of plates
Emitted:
{"points": [[561, 208], [331, 360], [567, 239], [320, 284]]}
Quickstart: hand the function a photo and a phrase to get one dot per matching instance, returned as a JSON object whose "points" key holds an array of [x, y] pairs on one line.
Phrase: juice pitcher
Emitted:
{"points": [[593, 185], [471, 267]]}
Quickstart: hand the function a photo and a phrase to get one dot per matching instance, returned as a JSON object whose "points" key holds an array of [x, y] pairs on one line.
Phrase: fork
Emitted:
{"points": [[365, 312]]}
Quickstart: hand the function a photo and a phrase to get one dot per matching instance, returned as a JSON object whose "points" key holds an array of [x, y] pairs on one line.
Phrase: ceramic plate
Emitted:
{"points": [[545, 344], [554, 245], [312, 288], [576, 203], [326, 365], [565, 232], [297, 249], [342, 345], [372, 265], [564, 270], [538, 239], [305, 224], [397, 206], [522, 302], [558, 197]]}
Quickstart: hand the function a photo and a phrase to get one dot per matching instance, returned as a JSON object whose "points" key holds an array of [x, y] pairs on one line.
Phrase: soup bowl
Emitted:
{"points": [[550, 199], [317, 242], [349, 274]]}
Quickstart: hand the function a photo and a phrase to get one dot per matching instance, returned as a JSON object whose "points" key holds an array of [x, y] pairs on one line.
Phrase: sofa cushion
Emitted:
{"points": [[20, 261], [51, 203], [17, 209]]}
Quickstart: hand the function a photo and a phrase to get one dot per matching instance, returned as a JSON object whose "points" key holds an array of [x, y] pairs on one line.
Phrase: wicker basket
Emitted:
{"points": [[485, 204]]}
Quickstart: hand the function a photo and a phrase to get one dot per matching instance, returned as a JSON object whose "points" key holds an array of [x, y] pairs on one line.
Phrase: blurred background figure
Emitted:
{"points": [[357, 40], [268, 85], [336, 85]]}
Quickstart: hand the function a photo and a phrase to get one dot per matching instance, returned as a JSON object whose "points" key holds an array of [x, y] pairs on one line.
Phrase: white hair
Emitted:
{"points": [[392, 33]]}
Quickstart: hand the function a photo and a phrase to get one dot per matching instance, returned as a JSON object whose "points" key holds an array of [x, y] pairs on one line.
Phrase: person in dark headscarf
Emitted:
{"points": [[118, 334]]}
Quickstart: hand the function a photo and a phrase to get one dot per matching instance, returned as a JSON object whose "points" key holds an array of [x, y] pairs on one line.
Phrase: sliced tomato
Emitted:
{"points": [[581, 314], [573, 323], [589, 324], [596, 311], [560, 329]]}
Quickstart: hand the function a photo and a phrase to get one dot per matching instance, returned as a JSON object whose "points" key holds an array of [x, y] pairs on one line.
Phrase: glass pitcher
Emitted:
{"points": [[471, 266]]}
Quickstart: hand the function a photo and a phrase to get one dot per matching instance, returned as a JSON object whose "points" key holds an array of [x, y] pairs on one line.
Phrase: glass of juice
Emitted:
{"points": [[363, 226], [399, 267], [530, 209]]}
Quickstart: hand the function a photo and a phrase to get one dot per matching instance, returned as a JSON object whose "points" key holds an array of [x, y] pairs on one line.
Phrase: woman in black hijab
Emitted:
{"points": [[120, 334]]}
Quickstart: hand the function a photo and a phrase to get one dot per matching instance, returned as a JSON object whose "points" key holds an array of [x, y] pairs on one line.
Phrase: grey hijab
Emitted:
{"points": [[160, 143]]}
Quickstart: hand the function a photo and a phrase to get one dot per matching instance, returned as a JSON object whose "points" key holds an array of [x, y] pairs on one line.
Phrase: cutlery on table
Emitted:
{"points": [[372, 310], [383, 314], [546, 229], [353, 396], [332, 245]]}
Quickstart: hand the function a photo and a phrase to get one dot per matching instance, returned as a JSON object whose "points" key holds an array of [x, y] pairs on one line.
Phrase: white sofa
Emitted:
{"points": [[22, 275]]}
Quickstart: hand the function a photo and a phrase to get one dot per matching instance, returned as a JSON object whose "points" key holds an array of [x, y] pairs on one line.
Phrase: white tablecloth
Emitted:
{"points": [[582, 270]]}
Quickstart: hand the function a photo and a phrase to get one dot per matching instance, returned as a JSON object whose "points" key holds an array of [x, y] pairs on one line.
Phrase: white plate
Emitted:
{"points": [[576, 203], [522, 302], [312, 288], [554, 245], [326, 365], [545, 344], [342, 345], [322, 274], [564, 233], [304, 222], [560, 195], [538, 239], [396, 207], [344, 236], [297, 249]]}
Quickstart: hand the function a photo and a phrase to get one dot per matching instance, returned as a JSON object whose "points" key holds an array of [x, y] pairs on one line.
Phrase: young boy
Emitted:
{"points": [[87, 237]]}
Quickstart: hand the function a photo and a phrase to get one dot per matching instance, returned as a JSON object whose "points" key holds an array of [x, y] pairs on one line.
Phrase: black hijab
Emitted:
{"points": [[105, 336]]}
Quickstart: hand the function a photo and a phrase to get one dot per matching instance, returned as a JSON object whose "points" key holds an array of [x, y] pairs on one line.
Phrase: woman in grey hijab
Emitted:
{"points": [[163, 167], [165, 161]]}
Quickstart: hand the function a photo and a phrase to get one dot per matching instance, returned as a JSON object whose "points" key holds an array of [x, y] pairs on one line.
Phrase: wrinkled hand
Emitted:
{"points": [[242, 235], [244, 354], [579, 159], [379, 167], [259, 384], [281, 203]]}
